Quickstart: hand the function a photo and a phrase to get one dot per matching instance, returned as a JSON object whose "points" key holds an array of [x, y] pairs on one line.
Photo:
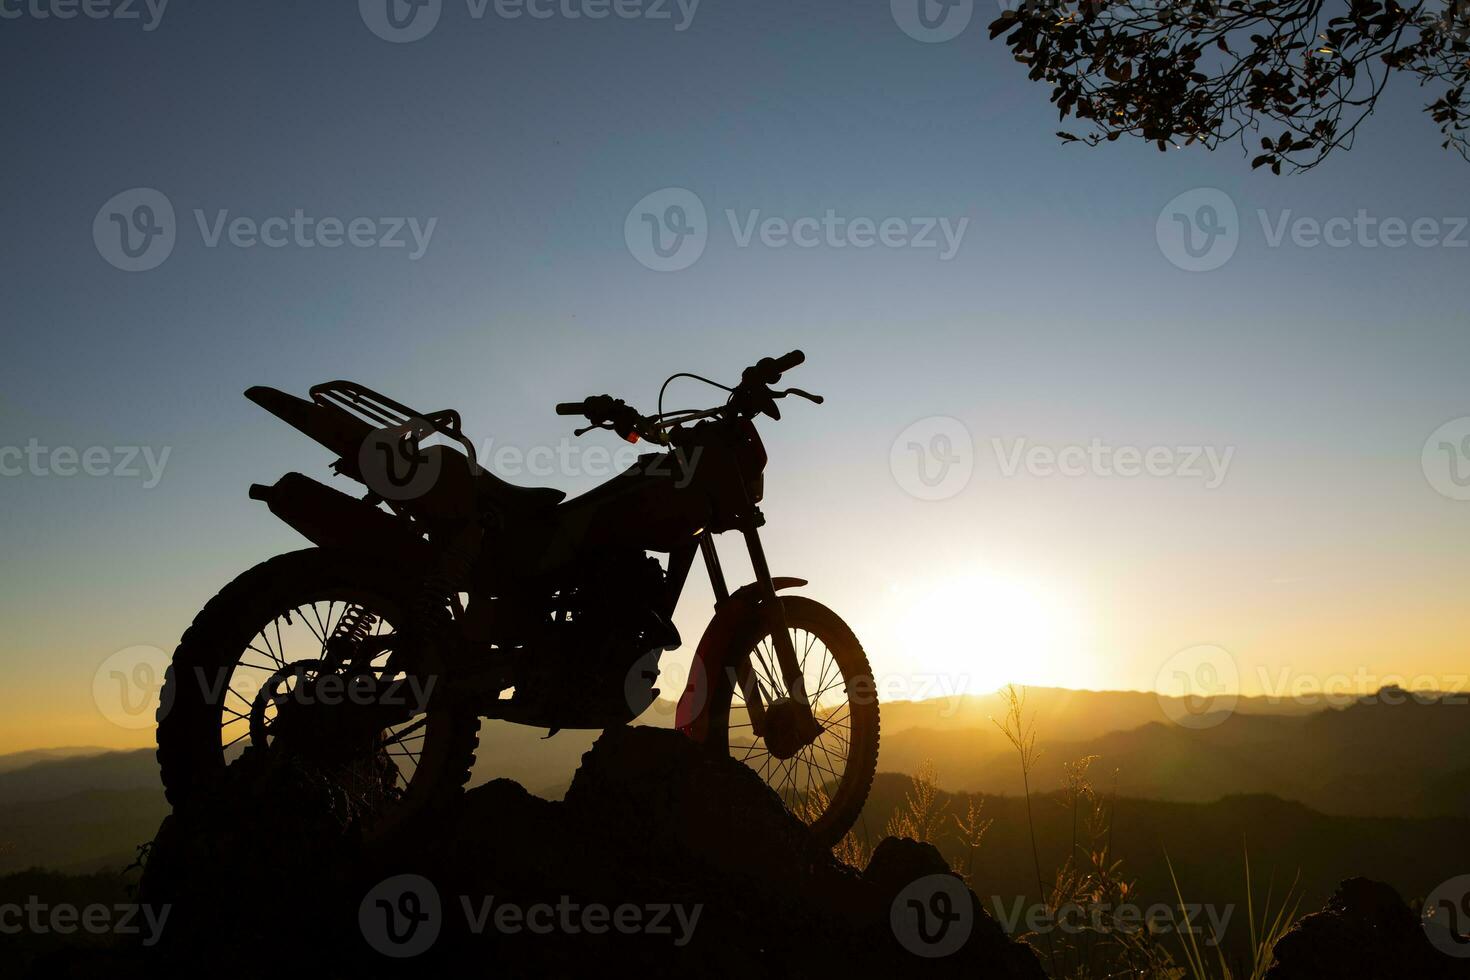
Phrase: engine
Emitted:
{"points": [[593, 658]]}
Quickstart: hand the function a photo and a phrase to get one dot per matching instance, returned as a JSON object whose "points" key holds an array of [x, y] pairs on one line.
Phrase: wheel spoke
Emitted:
{"points": [[807, 780]]}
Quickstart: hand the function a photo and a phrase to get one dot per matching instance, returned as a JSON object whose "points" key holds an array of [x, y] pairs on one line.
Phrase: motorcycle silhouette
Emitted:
{"points": [[445, 595]]}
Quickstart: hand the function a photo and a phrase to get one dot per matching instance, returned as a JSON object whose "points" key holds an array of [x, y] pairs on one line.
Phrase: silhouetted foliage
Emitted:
{"points": [[1209, 72]]}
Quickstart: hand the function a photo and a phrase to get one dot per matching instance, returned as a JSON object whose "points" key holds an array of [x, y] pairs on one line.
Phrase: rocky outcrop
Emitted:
{"points": [[662, 861], [1365, 932]]}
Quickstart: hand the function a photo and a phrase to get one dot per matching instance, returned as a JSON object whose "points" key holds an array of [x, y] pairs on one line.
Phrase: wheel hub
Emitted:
{"points": [[322, 715], [783, 729]]}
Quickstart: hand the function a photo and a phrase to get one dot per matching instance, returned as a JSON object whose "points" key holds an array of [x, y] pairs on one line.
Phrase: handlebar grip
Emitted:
{"points": [[572, 408], [786, 362]]}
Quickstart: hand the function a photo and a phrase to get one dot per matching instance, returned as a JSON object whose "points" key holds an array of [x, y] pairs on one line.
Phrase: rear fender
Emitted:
{"points": [[331, 426], [731, 617], [448, 496]]}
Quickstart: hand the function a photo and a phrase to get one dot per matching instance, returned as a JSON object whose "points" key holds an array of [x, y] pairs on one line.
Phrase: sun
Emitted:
{"points": [[977, 631]]}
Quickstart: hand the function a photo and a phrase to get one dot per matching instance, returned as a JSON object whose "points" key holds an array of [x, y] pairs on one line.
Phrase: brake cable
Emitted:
{"points": [[686, 374]]}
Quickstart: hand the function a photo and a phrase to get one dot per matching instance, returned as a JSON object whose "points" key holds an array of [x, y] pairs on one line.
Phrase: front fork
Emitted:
{"points": [[774, 615]]}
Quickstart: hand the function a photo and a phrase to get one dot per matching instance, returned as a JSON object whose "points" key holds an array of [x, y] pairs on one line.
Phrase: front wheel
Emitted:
{"points": [[824, 780]]}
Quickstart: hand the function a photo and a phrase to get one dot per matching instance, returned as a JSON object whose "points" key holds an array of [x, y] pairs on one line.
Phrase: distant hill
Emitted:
{"points": [[1206, 842], [1067, 714], [19, 760], [51, 779], [77, 810], [80, 833], [1369, 759]]}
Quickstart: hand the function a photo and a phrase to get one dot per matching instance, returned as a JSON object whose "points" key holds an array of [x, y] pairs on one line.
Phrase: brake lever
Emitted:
{"points": [[816, 399], [586, 429]]}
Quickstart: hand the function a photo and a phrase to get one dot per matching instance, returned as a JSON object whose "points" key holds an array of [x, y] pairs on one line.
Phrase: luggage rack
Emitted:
{"points": [[383, 412]]}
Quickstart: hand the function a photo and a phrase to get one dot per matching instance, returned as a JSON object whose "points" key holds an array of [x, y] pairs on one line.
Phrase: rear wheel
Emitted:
{"points": [[823, 781], [294, 657]]}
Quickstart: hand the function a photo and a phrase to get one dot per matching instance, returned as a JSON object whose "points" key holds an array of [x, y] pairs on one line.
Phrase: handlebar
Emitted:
{"points": [[753, 396], [768, 370]]}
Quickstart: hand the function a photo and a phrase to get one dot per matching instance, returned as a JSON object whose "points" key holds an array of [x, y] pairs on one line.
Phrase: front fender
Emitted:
{"points": [[692, 716]]}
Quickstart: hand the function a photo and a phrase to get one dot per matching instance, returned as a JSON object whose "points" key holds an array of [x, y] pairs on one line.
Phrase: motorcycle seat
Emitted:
{"points": [[518, 499]]}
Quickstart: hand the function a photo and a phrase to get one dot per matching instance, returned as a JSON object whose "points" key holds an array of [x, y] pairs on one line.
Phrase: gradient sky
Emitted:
{"points": [[1325, 552]]}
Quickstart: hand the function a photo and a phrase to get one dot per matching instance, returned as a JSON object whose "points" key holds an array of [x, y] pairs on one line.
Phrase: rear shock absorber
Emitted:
{"points": [[355, 625]]}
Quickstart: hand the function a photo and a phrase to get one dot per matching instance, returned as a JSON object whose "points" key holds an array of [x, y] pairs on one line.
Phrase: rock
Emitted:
{"points": [[710, 875], [898, 863], [1365, 932]]}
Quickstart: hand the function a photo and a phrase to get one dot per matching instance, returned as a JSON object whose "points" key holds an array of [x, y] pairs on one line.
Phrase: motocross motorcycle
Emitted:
{"points": [[444, 595]]}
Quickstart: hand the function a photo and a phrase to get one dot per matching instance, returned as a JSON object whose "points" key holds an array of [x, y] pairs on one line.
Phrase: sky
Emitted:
{"points": [[961, 498]]}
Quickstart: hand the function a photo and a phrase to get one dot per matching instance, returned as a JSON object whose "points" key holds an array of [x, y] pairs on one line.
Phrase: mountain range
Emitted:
{"points": [[1382, 757]]}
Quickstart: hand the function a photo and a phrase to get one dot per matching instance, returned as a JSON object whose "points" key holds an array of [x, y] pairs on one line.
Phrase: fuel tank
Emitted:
{"points": [[649, 506]]}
